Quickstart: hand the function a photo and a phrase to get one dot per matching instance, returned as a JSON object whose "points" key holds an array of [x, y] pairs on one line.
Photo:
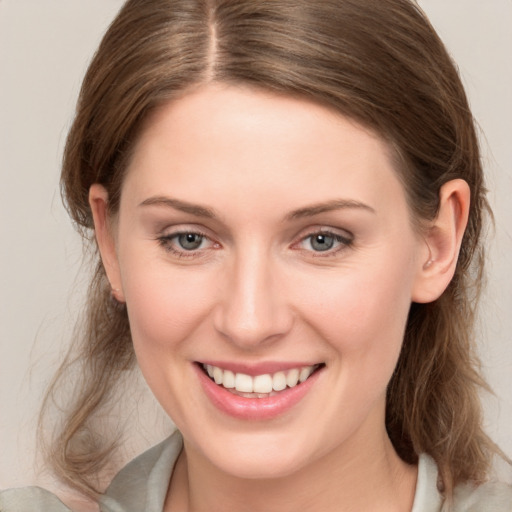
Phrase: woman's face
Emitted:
{"points": [[265, 236]]}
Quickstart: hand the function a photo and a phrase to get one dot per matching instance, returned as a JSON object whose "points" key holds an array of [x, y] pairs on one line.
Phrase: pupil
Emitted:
{"points": [[322, 242]]}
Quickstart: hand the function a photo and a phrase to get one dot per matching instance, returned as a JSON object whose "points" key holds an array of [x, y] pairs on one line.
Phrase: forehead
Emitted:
{"points": [[238, 142]]}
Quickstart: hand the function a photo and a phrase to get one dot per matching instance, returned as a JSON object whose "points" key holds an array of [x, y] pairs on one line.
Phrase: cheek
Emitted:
{"points": [[164, 306], [361, 312], [165, 310]]}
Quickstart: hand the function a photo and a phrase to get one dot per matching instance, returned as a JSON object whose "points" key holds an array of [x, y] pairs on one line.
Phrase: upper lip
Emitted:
{"points": [[260, 368]]}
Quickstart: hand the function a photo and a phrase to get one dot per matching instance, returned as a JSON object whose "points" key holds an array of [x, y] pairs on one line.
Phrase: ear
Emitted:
{"points": [[442, 240], [98, 201]]}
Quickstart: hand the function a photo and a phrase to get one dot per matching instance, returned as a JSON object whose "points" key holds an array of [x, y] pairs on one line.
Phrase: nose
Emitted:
{"points": [[252, 309]]}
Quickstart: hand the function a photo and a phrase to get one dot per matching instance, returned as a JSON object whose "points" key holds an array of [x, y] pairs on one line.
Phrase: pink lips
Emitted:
{"points": [[254, 408]]}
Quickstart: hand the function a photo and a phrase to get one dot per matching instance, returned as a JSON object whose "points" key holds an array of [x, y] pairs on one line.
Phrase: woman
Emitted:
{"points": [[287, 200]]}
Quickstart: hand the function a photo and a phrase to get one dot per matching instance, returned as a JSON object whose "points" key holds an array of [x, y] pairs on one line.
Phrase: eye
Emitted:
{"points": [[325, 242], [186, 244]]}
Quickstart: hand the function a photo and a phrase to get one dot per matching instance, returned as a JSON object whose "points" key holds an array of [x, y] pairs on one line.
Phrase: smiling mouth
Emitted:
{"points": [[259, 386]]}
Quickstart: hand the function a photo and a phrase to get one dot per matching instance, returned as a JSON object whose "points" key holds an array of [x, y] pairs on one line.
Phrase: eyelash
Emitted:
{"points": [[168, 243]]}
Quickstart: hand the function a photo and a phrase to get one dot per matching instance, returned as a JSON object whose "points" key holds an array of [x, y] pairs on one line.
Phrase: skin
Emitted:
{"points": [[256, 290]]}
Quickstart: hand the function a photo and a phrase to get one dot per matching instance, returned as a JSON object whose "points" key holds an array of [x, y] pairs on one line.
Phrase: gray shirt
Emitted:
{"points": [[141, 486]]}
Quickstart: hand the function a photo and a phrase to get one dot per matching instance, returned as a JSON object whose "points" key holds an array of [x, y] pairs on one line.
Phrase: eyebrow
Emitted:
{"points": [[183, 206], [335, 204], [307, 211]]}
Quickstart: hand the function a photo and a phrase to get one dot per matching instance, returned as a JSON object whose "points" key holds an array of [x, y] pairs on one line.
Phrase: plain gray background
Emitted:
{"points": [[45, 46]]}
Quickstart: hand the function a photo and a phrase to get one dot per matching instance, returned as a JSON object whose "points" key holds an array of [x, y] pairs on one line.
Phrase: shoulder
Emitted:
{"points": [[37, 499], [142, 484], [490, 496], [30, 499]]}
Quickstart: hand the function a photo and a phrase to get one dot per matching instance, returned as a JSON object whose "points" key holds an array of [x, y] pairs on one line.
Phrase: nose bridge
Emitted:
{"points": [[253, 309]]}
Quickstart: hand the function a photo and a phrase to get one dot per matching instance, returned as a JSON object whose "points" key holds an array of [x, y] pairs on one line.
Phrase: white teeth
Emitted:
{"points": [[229, 379], [305, 373], [279, 381], [292, 378], [218, 375], [260, 385], [243, 383]]}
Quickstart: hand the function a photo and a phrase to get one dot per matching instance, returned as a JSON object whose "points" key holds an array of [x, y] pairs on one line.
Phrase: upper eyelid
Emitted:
{"points": [[170, 231], [305, 233], [171, 236], [178, 233], [171, 228]]}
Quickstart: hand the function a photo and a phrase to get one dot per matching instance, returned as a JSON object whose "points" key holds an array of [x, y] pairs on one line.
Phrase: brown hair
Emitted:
{"points": [[376, 61]]}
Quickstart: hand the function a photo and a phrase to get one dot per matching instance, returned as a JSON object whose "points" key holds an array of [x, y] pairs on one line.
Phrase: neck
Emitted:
{"points": [[362, 474]]}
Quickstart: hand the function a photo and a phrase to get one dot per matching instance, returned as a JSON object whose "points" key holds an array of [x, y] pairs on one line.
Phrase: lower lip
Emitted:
{"points": [[254, 408]]}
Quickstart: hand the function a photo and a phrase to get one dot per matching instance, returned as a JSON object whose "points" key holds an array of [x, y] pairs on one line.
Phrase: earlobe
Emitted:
{"points": [[98, 201], [443, 239]]}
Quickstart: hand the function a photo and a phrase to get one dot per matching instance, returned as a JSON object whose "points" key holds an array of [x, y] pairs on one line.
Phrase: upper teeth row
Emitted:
{"points": [[265, 383]]}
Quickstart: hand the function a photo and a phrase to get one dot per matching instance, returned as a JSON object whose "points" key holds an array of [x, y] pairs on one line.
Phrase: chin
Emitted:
{"points": [[263, 456], [263, 467]]}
